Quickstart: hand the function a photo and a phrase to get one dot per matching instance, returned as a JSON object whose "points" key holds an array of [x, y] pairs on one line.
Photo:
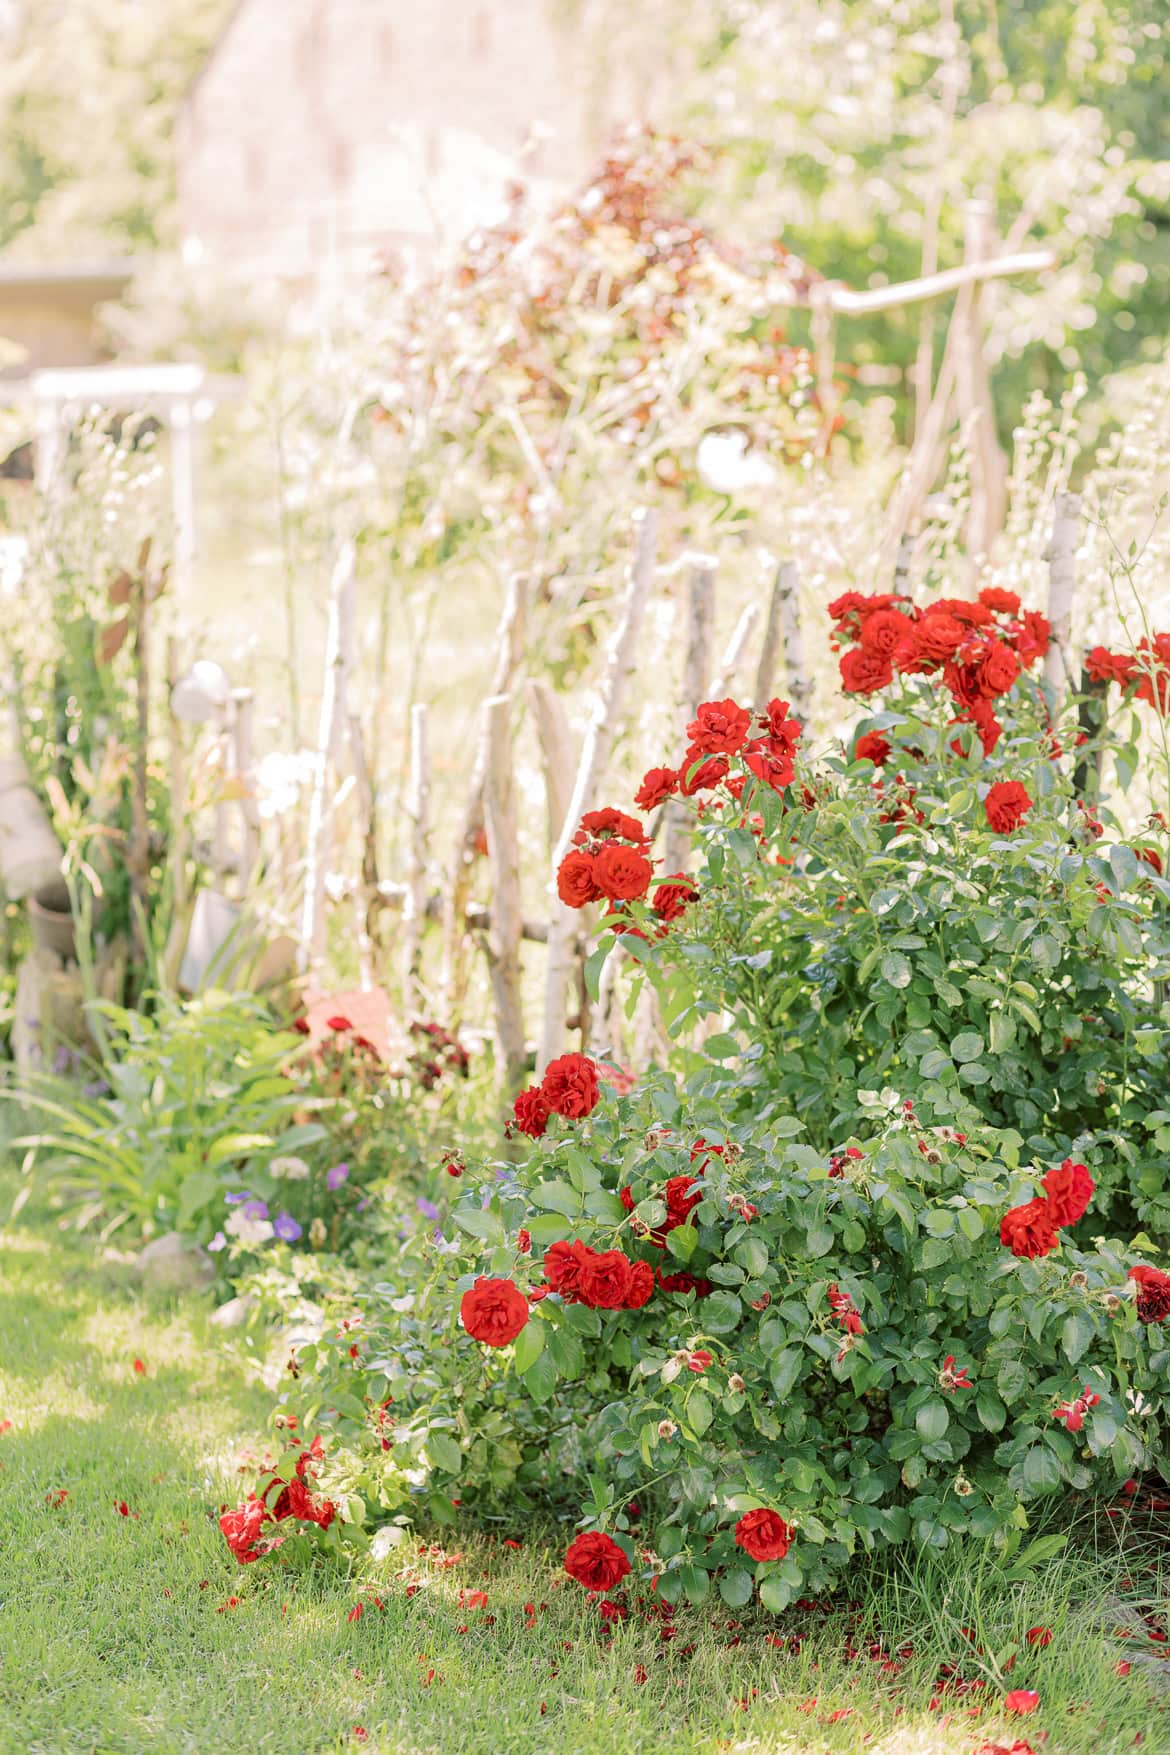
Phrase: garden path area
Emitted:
{"points": [[126, 1629]]}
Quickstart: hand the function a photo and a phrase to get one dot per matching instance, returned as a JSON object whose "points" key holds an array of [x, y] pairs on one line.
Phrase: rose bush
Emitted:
{"points": [[867, 1273]]}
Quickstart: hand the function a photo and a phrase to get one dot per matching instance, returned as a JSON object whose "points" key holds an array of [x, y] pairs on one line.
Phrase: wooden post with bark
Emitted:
{"points": [[418, 815], [700, 629], [341, 588], [505, 929], [591, 768], [556, 749], [783, 629], [733, 653]]}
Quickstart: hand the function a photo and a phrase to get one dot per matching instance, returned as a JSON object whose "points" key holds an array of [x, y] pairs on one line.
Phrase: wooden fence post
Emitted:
{"points": [[733, 655], [590, 769], [783, 629], [700, 628], [1062, 581], [556, 748], [418, 815], [506, 925], [341, 586]]}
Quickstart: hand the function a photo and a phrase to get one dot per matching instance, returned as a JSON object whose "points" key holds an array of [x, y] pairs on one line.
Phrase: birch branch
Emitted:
{"points": [[556, 748], [418, 815], [590, 771], [1062, 581], [312, 942], [700, 627], [733, 656], [506, 926]]}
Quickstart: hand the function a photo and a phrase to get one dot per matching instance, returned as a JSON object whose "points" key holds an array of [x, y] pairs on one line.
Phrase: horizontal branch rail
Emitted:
{"points": [[851, 303]]}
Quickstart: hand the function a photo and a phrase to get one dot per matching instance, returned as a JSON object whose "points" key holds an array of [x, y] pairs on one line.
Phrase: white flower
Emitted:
{"points": [[726, 465], [291, 1169], [251, 1232]]}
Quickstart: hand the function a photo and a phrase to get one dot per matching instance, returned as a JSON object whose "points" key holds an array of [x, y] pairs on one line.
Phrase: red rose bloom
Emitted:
{"points": [[295, 1500], [882, 631], [674, 896], [658, 784], [776, 724], [1109, 667], [641, 1285], [1068, 1190], [1153, 1293], [683, 1195], [972, 615], [1006, 804], [577, 879], [1034, 637], [531, 1112], [938, 636], [570, 1086], [1153, 669], [996, 598], [602, 824], [241, 1530], [773, 765], [863, 673], [998, 671], [564, 1268], [683, 1283], [708, 773], [596, 1561], [872, 747], [493, 1311], [605, 1280], [980, 714], [621, 873], [763, 1534], [1028, 1231], [719, 728]]}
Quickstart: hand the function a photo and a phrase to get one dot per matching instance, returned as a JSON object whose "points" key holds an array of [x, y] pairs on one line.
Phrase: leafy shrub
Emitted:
{"points": [[849, 1283]]}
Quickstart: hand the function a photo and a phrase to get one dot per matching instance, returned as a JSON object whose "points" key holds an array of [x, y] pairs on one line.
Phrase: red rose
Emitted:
{"points": [[605, 1280], [863, 673], [295, 1500], [708, 773], [998, 671], [596, 1561], [1021, 1700], [996, 598], [683, 1195], [683, 1283], [493, 1311], [872, 747], [641, 1285], [763, 1534], [621, 873], [577, 880], [980, 714], [1068, 1189], [1028, 1231], [1110, 667], [719, 728], [531, 1112], [938, 636], [570, 1086], [241, 1530], [601, 824], [1006, 804], [1153, 667], [882, 631], [658, 784], [776, 724], [973, 615], [1153, 1293], [1034, 637], [564, 1267], [674, 896], [771, 764]]}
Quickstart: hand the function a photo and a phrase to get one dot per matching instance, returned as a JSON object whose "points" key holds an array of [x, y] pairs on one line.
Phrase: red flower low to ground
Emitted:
{"points": [[595, 1560], [763, 1535]]}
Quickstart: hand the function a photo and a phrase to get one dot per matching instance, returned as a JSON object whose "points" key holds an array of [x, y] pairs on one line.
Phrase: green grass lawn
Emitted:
{"points": [[139, 1634]]}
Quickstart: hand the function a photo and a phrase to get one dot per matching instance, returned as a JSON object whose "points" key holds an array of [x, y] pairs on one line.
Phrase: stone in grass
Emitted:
{"points": [[170, 1264], [235, 1312]]}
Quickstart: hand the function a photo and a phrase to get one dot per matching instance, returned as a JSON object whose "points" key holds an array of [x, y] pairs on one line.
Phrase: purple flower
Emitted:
{"points": [[96, 1088], [335, 1177], [218, 1242], [426, 1207], [256, 1209], [234, 1200], [286, 1228]]}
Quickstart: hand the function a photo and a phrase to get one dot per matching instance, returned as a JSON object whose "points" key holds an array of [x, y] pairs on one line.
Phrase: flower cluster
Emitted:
{"points": [[607, 860], [1153, 1293], [244, 1528], [603, 1279], [1073, 1413], [979, 648], [1145, 672], [570, 1087], [1031, 1230]]}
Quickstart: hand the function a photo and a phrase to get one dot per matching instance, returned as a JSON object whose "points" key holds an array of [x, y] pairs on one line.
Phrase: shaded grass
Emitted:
{"points": [[116, 1637]]}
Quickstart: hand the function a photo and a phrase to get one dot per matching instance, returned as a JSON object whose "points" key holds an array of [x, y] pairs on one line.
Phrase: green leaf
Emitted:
{"points": [[696, 1582], [932, 1419], [721, 1312], [568, 1354], [991, 1411], [818, 1240], [237, 1145], [700, 1413], [785, 1370], [736, 1586], [896, 969], [1076, 1335], [479, 1222], [967, 1045], [557, 1197], [775, 1594], [935, 1064], [529, 1344], [195, 1191], [444, 1452], [540, 1379]]}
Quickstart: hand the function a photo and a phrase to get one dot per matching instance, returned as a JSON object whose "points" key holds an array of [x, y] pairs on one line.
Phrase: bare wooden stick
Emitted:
{"points": [[242, 758], [177, 781], [783, 628], [139, 849], [556, 746], [509, 654], [367, 893], [506, 928], [418, 816], [696, 666], [1062, 580], [590, 770], [988, 464], [733, 656], [932, 286], [312, 943]]}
